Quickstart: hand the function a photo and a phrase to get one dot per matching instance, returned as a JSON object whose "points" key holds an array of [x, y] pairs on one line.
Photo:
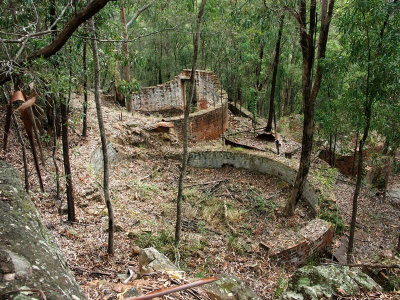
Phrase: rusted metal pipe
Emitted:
{"points": [[173, 289]]}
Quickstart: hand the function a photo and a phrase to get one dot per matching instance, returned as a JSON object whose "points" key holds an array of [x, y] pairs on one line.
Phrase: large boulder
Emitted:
{"points": [[229, 287], [29, 257], [114, 153], [316, 282], [150, 261]]}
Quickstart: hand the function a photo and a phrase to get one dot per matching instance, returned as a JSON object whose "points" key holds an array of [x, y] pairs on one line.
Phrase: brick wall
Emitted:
{"points": [[165, 96], [206, 124], [312, 239], [171, 94], [209, 125]]}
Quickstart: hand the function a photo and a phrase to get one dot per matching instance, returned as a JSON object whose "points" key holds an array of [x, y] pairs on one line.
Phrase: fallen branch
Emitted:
{"points": [[97, 272], [131, 273], [207, 183], [374, 266], [174, 289], [366, 265]]}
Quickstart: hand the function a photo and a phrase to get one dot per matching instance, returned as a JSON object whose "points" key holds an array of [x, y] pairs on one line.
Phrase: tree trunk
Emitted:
{"points": [[106, 179], [386, 146], [85, 93], [334, 150], [23, 149], [126, 72], [355, 204], [37, 136], [368, 112], [330, 149], [58, 198], [7, 125], [160, 80], [21, 141], [67, 164], [309, 90], [354, 156], [259, 64], [185, 153], [271, 112]]}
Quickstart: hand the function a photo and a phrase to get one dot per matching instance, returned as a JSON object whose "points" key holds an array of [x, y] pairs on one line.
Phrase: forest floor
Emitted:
{"points": [[227, 211]]}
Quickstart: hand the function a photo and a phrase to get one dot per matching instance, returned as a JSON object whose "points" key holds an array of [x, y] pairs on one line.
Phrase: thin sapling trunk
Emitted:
{"points": [[106, 175], [271, 112], [85, 93], [185, 153]]}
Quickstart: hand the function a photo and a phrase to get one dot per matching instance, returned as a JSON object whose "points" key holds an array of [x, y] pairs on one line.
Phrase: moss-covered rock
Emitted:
{"points": [[316, 282], [229, 287], [29, 257]]}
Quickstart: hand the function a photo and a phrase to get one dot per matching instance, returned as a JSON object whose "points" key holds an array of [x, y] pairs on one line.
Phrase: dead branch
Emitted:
{"points": [[374, 266], [174, 289], [137, 14], [96, 272], [208, 182], [365, 265], [131, 273]]}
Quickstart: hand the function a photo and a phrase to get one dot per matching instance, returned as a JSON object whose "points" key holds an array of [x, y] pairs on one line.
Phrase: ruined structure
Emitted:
{"points": [[209, 120], [171, 95]]}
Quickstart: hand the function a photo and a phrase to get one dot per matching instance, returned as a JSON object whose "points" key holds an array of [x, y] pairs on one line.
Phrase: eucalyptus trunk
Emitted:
{"points": [[58, 198], [271, 112], [106, 174], [367, 112], [185, 153], [126, 69], [85, 93], [309, 90], [67, 163]]}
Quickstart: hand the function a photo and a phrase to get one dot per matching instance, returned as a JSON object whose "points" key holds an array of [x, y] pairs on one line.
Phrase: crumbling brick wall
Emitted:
{"points": [[206, 124], [312, 239], [171, 95], [165, 96]]}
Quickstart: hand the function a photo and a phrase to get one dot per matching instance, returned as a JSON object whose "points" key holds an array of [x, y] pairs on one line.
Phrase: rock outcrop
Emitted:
{"points": [[229, 287], [150, 261], [317, 282], [29, 256], [114, 156]]}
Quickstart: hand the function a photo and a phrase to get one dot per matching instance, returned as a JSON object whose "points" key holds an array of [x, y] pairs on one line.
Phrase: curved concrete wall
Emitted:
{"points": [[253, 162]]}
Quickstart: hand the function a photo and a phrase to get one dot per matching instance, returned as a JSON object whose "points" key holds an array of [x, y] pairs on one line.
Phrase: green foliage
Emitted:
{"points": [[127, 88], [237, 244], [258, 203], [392, 283], [145, 190], [282, 284], [396, 166], [335, 218], [159, 240], [325, 178]]}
